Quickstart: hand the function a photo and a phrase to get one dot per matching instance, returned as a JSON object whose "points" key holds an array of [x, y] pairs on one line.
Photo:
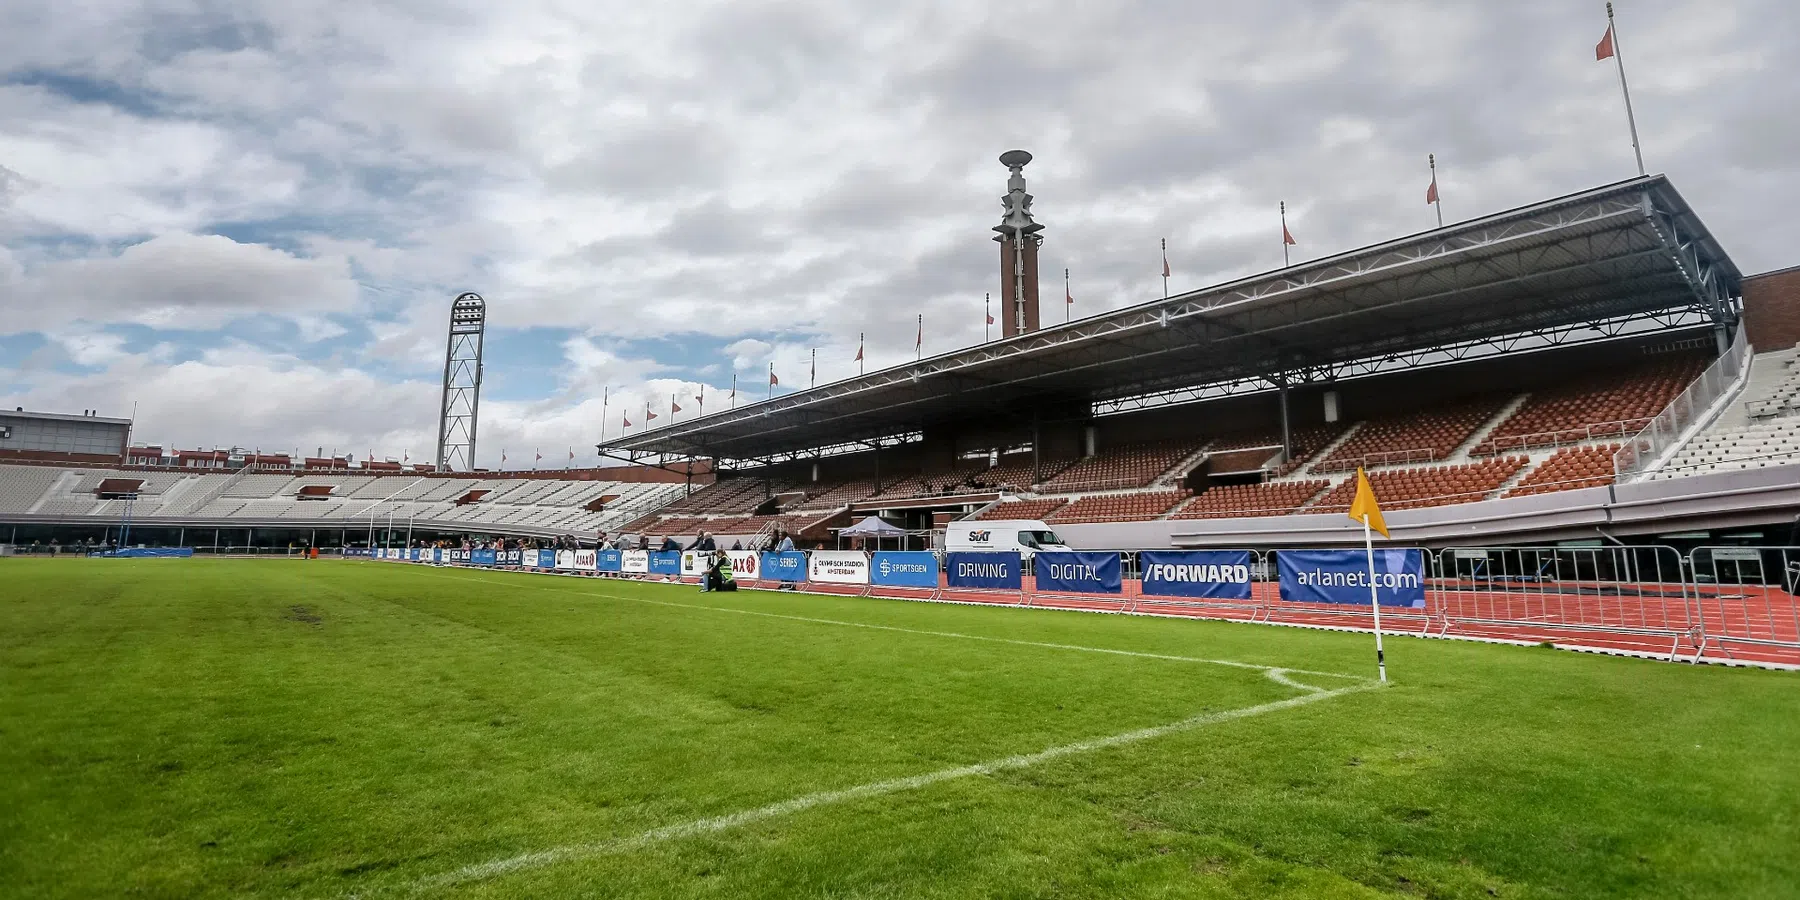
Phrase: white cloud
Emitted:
{"points": [[179, 280], [803, 169]]}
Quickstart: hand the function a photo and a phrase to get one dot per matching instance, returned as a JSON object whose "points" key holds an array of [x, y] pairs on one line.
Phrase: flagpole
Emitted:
{"points": [[731, 402], [605, 400], [812, 380], [1374, 601], [987, 306], [861, 342], [1437, 193], [1068, 298], [1284, 236], [1619, 57], [771, 381], [919, 343]]}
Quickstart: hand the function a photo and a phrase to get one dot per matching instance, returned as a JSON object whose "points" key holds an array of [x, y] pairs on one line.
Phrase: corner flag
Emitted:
{"points": [[1364, 509], [1365, 505]]}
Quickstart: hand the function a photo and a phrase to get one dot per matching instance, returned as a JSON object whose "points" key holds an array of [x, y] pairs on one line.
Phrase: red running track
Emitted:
{"points": [[1753, 624]]}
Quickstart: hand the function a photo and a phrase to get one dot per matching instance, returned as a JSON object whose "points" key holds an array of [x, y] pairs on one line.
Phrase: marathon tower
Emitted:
{"points": [[1019, 242]]}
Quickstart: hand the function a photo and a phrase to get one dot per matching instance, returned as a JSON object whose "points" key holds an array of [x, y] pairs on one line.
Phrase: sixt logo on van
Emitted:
{"points": [[979, 537]]}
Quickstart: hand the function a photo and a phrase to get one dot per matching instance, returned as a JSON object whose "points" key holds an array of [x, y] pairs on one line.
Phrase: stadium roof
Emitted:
{"points": [[1633, 248]]}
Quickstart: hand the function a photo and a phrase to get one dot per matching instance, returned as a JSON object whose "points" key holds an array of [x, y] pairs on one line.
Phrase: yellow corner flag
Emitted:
{"points": [[1365, 505]]}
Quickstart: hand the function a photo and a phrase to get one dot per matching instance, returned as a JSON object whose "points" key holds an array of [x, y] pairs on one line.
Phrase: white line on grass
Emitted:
{"points": [[571, 852], [948, 634]]}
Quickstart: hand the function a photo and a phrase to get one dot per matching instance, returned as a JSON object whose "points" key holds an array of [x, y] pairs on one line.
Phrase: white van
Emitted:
{"points": [[1027, 536]]}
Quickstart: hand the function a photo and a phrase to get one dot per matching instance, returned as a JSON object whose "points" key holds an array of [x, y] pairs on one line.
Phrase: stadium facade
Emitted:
{"points": [[1590, 368]]}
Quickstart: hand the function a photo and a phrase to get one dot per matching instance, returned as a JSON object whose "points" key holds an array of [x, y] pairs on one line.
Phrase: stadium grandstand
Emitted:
{"points": [[1582, 369], [1579, 369]]}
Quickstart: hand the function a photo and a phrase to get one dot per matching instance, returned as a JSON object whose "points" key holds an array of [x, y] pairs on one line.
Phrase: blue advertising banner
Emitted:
{"points": [[665, 562], [903, 569], [1079, 572], [417, 554], [788, 566], [482, 557], [982, 570], [437, 555], [1342, 576], [1214, 574], [609, 560], [546, 559]]}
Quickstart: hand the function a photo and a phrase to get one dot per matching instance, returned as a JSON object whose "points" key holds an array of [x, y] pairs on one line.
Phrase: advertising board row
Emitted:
{"points": [[1310, 576]]}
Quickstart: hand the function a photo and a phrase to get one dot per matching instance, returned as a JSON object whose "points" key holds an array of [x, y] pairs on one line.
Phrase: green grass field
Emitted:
{"points": [[186, 728]]}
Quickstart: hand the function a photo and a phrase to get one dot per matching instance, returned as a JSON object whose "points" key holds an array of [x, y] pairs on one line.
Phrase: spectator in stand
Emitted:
{"points": [[704, 542], [670, 545], [786, 543], [643, 542], [737, 544]]}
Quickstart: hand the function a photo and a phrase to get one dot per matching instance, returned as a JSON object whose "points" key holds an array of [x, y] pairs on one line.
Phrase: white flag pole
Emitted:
{"points": [[1374, 601]]}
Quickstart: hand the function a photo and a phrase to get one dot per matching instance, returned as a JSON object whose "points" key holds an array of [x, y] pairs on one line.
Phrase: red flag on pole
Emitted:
{"points": [[1165, 259], [625, 416], [1287, 237], [1431, 192], [1604, 49], [990, 318], [673, 406], [773, 381], [919, 344], [859, 350], [648, 415]]}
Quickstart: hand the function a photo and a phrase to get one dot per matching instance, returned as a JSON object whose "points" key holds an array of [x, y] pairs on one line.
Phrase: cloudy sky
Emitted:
{"points": [[248, 218]]}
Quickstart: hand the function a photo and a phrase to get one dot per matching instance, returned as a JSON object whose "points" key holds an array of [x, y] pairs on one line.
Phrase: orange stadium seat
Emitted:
{"points": [[1605, 404], [1136, 507], [1269, 499], [1429, 486], [1568, 469]]}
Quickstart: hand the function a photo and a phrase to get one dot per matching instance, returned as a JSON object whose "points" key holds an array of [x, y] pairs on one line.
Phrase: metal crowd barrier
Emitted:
{"points": [[1738, 602], [1745, 596]]}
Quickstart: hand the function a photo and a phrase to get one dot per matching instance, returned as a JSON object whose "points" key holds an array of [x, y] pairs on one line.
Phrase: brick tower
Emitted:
{"points": [[1019, 242]]}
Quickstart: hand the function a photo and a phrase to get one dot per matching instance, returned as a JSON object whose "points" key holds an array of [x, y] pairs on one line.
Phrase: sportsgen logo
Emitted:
{"points": [[889, 567]]}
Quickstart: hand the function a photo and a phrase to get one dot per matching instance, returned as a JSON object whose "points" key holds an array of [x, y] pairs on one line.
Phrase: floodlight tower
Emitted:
{"points": [[1019, 240], [462, 384]]}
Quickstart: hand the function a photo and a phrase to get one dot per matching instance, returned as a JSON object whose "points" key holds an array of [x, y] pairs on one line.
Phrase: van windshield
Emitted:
{"points": [[1038, 538]]}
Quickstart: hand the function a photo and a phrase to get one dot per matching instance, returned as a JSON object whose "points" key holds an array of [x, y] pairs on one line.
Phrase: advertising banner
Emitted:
{"points": [[437, 555], [1212, 574], [545, 559], [459, 556], [482, 557], [634, 562], [1080, 572], [746, 565], [665, 562], [982, 570], [512, 557], [838, 567], [903, 569], [392, 553], [565, 560], [1342, 576], [608, 560], [584, 560], [693, 563], [788, 566]]}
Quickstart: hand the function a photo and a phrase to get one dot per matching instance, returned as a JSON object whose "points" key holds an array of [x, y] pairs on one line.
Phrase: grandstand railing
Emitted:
{"points": [[1673, 425], [1561, 437], [1385, 458]]}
